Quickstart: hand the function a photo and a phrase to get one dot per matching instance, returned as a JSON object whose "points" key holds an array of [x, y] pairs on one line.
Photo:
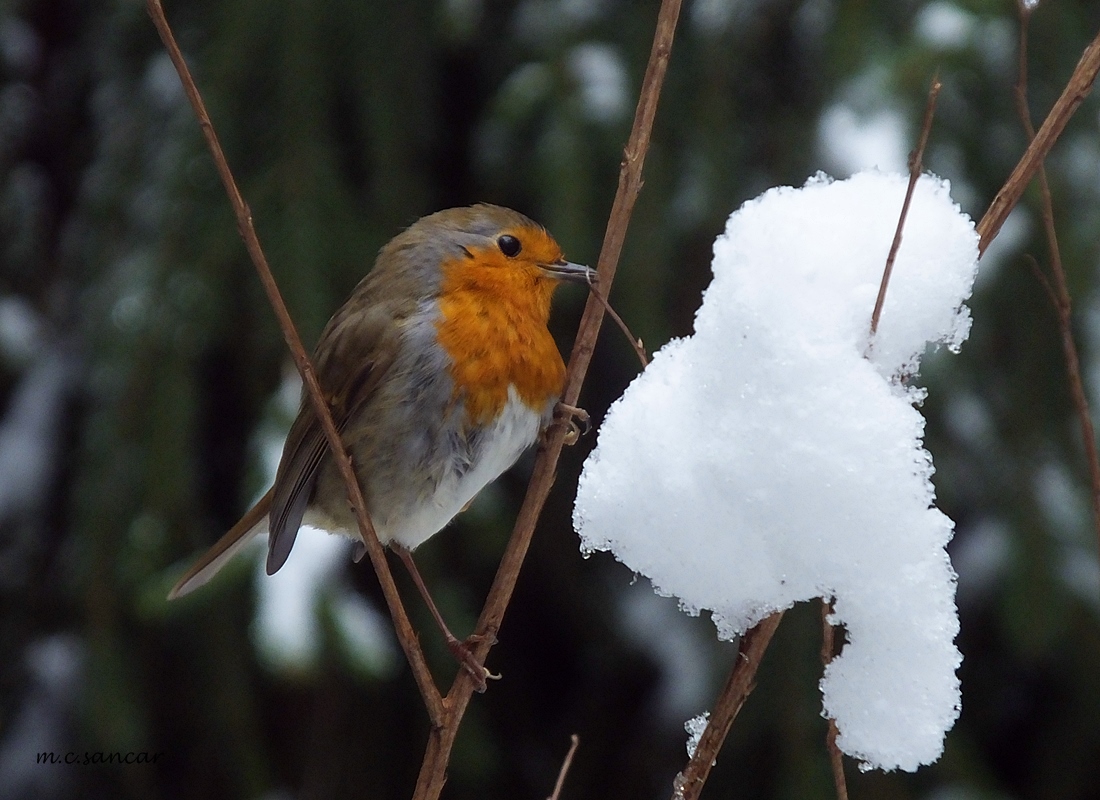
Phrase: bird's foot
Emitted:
{"points": [[570, 416], [466, 659]]}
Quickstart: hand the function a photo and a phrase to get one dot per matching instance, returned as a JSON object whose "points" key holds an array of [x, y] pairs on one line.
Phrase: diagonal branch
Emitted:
{"points": [[405, 633], [565, 765], [916, 159], [441, 738], [739, 685], [1077, 89], [636, 343], [828, 652]]}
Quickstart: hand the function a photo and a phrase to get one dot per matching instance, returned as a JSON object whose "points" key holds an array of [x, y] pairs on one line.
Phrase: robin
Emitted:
{"points": [[439, 371]]}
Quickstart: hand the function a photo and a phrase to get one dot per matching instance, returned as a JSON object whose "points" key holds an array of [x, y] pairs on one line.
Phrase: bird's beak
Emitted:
{"points": [[567, 271]]}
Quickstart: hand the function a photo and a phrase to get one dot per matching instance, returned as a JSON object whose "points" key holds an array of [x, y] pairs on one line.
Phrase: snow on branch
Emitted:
{"points": [[764, 460]]}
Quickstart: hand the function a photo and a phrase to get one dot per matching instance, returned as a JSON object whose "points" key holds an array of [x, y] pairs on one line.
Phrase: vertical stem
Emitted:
{"points": [[433, 770], [1059, 288], [828, 651], [1077, 89]]}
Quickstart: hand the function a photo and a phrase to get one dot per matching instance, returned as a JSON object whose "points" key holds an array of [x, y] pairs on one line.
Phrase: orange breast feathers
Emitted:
{"points": [[493, 316]]}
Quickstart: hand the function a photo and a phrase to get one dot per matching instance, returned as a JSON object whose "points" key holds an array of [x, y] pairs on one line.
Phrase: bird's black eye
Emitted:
{"points": [[509, 245]]}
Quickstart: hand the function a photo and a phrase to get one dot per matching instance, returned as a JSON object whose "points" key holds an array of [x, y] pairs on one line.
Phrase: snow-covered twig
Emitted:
{"points": [[828, 637], [756, 640]]}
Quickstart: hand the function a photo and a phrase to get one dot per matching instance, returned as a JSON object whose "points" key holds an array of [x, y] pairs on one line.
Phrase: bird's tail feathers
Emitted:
{"points": [[252, 523]]}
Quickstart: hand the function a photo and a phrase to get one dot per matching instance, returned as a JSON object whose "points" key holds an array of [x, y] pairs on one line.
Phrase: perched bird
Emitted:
{"points": [[439, 371]]}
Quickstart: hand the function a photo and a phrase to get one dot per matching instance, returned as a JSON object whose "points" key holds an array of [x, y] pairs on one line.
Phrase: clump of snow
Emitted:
{"points": [[774, 456], [695, 727]]}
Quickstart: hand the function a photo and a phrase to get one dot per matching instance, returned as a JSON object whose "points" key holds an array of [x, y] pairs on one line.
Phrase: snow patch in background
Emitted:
{"points": [[287, 628], [944, 25], [850, 140], [22, 330], [765, 460], [679, 648], [292, 604], [601, 77]]}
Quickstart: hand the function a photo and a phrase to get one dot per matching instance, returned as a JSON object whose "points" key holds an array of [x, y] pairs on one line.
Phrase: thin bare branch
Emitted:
{"points": [[575, 740], [1044, 281], [828, 652], [1077, 89], [916, 159], [739, 685], [405, 633], [433, 772], [636, 343], [1058, 288]]}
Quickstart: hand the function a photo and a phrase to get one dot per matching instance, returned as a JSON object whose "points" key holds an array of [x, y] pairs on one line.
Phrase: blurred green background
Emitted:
{"points": [[144, 385]]}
